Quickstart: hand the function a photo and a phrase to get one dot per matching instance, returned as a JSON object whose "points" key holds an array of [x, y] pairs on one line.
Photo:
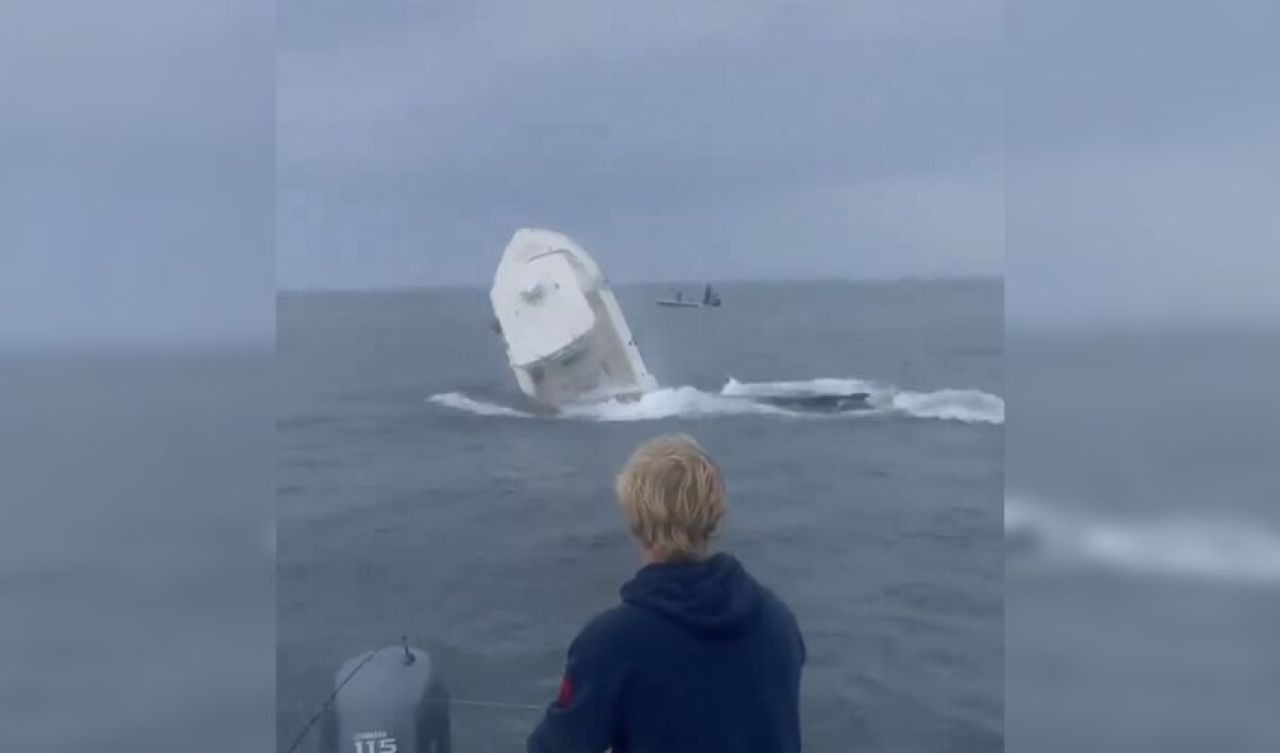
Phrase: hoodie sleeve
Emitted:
{"points": [[585, 716]]}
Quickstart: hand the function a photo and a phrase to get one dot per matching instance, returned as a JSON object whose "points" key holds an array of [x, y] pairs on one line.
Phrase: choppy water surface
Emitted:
{"points": [[418, 494]]}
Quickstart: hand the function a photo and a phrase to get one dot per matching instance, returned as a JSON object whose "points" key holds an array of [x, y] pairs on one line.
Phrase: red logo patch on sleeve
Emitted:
{"points": [[566, 693]]}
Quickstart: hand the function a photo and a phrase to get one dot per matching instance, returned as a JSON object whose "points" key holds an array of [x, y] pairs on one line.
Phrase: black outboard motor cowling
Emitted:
{"points": [[393, 703]]}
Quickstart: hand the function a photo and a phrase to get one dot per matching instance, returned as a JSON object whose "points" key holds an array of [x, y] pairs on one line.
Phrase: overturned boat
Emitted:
{"points": [[810, 396], [565, 335], [567, 341]]}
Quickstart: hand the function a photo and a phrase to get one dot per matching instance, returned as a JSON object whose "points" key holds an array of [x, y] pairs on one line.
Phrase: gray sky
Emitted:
{"points": [[136, 184], [1143, 155], [144, 186], [674, 140]]}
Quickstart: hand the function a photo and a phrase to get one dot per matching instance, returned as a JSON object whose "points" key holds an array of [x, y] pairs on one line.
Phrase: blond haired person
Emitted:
{"points": [[698, 657]]}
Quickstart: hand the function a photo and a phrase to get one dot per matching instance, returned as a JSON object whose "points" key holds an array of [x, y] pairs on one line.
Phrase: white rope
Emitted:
{"points": [[329, 701], [495, 704]]}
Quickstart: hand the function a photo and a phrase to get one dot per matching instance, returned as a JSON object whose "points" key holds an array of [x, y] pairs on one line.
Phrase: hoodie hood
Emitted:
{"points": [[715, 597]]}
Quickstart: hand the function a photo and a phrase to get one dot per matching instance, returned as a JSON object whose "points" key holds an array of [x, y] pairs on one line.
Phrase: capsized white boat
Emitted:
{"points": [[566, 338]]}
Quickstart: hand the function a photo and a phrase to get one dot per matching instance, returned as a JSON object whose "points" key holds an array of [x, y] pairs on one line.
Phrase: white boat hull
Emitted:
{"points": [[565, 335]]}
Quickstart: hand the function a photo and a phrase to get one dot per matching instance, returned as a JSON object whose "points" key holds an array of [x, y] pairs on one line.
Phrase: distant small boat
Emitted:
{"points": [[710, 299]]}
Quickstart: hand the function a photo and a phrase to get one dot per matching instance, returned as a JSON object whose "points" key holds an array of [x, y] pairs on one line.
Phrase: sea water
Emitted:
{"points": [[420, 495]]}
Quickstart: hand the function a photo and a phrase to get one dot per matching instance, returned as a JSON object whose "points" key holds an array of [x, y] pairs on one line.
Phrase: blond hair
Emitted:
{"points": [[673, 497]]}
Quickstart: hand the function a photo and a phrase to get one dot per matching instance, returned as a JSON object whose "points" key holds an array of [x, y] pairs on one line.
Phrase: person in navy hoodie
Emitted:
{"points": [[698, 657]]}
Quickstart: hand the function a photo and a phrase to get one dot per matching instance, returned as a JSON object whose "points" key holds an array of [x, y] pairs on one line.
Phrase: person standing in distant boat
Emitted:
{"points": [[698, 656]]}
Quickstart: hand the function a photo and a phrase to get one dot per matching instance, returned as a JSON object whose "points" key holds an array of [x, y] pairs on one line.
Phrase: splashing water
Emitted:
{"points": [[1204, 548], [744, 399], [459, 401]]}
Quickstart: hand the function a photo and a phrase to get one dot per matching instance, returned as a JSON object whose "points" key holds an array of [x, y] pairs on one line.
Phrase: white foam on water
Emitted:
{"points": [[459, 401], [668, 402], [735, 399], [1191, 547], [799, 388], [970, 406], [671, 402]]}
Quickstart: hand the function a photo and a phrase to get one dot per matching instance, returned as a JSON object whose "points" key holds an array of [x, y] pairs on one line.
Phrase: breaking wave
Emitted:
{"points": [[1201, 548], [739, 399]]}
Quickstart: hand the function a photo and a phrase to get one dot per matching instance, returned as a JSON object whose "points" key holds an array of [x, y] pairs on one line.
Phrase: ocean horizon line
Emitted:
{"points": [[408, 288]]}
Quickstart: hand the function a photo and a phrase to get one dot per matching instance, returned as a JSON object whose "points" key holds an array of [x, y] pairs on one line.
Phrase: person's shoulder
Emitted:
{"points": [[775, 609], [611, 629], [782, 620], [774, 602]]}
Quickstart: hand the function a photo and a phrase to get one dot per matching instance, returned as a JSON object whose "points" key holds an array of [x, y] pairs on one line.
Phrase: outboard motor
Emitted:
{"points": [[387, 701]]}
